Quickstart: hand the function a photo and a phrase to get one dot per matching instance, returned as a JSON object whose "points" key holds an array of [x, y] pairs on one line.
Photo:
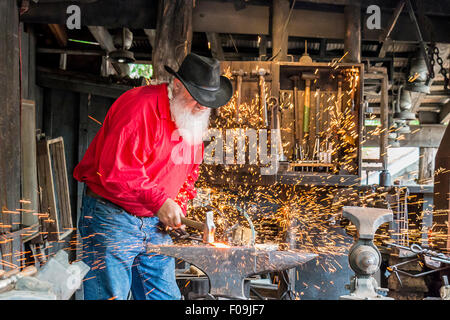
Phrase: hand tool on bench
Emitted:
{"points": [[261, 73], [227, 267], [238, 74], [298, 152]]}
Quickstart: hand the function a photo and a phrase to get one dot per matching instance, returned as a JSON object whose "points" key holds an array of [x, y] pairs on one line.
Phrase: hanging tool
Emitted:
{"points": [[276, 125], [325, 155], [298, 151], [339, 98], [261, 73], [305, 58], [317, 132], [307, 105], [353, 89], [238, 74]]}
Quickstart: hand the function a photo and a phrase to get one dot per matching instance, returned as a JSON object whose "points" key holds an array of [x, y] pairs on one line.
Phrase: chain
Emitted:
{"points": [[432, 52]]}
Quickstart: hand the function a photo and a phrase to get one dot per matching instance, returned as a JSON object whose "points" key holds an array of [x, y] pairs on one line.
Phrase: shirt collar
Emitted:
{"points": [[163, 103]]}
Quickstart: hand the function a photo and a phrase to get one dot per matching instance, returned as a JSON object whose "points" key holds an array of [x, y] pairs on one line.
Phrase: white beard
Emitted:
{"points": [[190, 126]]}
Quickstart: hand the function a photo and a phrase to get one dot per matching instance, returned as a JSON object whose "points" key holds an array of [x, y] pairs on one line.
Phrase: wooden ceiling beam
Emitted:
{"points": [[60, 34], [104, 38], [215, 44]]}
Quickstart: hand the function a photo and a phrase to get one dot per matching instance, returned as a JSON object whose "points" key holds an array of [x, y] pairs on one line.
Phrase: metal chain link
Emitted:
{"points": [[432, 52]]}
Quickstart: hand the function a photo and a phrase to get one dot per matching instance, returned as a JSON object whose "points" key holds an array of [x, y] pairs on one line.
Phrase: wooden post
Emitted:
{"points": [[173, 36], [216, 45], [262, 46], [441, 216], [10, 163], [352, 39], [29, 165], [280, 15], [426, 165]]}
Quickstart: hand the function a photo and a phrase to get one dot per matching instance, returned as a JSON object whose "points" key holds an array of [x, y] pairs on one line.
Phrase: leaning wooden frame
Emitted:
{"points": [[54, 187]]}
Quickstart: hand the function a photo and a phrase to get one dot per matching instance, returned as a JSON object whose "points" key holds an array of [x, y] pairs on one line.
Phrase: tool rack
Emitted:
{"points": [[337, 125]]}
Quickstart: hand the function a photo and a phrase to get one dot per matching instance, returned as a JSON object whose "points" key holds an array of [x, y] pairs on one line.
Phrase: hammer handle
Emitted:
{"points": [[193, 224]]}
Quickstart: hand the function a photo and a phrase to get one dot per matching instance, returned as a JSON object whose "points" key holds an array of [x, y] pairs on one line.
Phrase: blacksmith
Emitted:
{"points": [[139, 171]]}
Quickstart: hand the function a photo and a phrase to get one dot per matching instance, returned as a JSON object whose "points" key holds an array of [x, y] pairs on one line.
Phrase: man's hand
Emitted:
{"points": [[170, 214]]}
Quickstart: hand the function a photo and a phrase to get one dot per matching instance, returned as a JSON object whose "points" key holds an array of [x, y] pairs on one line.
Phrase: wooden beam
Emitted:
{"points": [[173, 36], [104, 38], [60, 34], [280, 31], [392, 22], [384, 37], [72, 82], [316, 24], [426, 165], [262, 45], [151, 35], [441, 216], [352, 38], [134, 14], [222, 17], [331, 2], [215, 43], [444, 115], [427, 136]]}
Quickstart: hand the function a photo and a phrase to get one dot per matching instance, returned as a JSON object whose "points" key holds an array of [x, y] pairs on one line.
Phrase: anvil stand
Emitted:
{"points": [[364, 257]]}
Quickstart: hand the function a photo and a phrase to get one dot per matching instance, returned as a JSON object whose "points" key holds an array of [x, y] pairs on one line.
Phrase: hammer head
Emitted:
{"points": [[209, 228], [309, 76], [239, 73], [294, 78], [260, 72]]}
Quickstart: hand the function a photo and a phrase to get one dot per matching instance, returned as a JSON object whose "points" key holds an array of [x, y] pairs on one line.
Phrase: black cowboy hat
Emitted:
{"points": [[201, 77]]}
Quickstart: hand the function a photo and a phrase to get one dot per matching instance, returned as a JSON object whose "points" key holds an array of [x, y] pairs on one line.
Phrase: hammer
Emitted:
{"points": [[208, 227], [238, 74], [260, 73], [298, 152], [307, 77]]}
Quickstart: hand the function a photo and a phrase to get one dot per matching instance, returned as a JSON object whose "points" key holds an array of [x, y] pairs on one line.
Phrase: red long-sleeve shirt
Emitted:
{"points": [[134, 160]]}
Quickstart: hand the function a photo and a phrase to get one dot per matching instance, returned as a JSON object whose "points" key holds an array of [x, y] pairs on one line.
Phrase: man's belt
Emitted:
{"points": [[92, 194]]}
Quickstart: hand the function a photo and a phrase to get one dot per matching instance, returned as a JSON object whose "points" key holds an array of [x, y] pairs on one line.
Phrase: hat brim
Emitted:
{"points": [[210, 99]]}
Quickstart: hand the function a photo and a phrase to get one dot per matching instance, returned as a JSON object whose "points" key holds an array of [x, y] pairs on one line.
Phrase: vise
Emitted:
{"points": [[364, 257]]}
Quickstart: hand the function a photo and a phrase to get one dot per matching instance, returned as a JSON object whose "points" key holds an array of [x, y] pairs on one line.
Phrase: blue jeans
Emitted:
{"points": [[114, 248]]}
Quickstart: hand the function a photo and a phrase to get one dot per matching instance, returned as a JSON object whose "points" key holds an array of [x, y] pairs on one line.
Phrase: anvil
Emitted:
{"points": [[227, 267]]}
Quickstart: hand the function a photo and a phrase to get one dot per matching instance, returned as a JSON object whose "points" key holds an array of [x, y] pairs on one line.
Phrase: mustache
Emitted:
{"points": [[191, 125]]}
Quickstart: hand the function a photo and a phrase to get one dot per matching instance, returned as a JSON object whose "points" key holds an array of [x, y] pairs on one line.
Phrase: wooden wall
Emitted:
{"points": [[9, 133]]}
